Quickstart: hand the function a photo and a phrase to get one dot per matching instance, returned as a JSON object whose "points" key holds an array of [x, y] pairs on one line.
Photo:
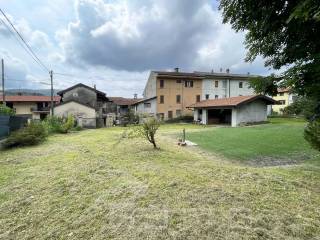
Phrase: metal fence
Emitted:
{"points": [[11, 123]]}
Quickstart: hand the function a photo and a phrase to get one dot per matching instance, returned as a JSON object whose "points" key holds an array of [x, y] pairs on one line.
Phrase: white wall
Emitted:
{"points": [[208, 87], [141, 109], [85, 116], [151, 86], [249, 113]]}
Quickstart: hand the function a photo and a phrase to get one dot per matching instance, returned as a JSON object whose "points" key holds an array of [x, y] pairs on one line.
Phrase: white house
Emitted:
{"points": [[234, 111]]}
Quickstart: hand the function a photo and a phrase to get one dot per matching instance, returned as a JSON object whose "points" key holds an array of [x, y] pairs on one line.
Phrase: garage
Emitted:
{"points": [[219, 116], [234, 111]]}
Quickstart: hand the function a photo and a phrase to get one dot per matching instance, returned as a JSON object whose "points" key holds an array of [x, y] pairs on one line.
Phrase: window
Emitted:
{"points": [[240, 84], [198, 98], [188, 84], [216, 84], [178, 99], [216, 96], [178, 81], [161, 99], [207, 96], [161, 83], [169, 114], [281, 94], [147, 105], [282, 102], [178, 113], [224, 83]]}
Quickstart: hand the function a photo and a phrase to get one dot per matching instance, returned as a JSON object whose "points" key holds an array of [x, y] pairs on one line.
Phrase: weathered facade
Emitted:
{"points": [[176, 91], [81, 94]]}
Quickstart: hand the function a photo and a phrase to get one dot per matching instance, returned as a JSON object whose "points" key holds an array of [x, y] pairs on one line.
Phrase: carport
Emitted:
{"points": [[234, 111]]}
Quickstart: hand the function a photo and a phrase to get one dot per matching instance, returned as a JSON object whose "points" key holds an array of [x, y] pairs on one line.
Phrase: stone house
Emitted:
{"points": [[90, 106]]}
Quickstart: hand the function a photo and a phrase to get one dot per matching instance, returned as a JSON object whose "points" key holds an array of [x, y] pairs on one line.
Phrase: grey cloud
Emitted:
{"points": [[133, 37]]}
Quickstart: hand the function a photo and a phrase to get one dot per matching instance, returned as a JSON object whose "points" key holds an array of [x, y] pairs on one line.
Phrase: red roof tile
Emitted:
{"points": [[230, 102], [22, 98]]}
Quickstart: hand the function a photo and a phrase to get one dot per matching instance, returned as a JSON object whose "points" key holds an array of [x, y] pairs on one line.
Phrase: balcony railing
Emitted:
{"points": [[40, 109]]}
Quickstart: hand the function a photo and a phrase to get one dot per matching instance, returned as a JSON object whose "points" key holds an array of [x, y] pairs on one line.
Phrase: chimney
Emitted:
{"points": [[135, 96], [94, 86], [248, 73], [212, 71], [228, 70], [221, 70], [176, 69]]}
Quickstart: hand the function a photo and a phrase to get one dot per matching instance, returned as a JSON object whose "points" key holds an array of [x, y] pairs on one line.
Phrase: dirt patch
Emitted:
{"points": [[270, 161]]}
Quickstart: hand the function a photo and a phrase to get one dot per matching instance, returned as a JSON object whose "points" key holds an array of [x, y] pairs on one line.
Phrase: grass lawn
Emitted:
{"points": [[85, 186], [279, 142]]}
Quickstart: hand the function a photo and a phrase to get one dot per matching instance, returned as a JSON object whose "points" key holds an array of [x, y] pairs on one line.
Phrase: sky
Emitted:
{"points": [[114, 44]]}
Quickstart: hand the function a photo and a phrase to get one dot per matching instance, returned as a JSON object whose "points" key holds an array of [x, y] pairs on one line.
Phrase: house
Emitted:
{"points": [[284, 98], [147, 106], [90, 107], [33, 107], [233, 111], [176, 90], [124, 104]]}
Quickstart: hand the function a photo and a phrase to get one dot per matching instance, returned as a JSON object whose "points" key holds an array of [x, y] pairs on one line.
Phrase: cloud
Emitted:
{"points": [[131, 36]]}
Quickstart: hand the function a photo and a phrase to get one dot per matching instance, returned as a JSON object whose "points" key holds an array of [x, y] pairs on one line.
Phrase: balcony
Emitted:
{"points": [[40, 109]]}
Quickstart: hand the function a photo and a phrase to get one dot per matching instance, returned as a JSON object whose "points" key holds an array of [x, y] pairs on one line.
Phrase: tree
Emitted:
{"points": [[146, 130], [149, 129], [286, 34]]}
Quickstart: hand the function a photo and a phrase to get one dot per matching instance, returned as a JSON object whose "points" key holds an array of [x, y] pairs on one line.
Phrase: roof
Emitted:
{"points": [[124, 101], [146, 99], [231, 102], [80, 85], [202, 75], [28, 98], [63, 103]]}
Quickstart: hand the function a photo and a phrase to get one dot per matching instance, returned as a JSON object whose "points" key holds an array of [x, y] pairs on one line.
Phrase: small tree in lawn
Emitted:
{"points": [[149, 129]]}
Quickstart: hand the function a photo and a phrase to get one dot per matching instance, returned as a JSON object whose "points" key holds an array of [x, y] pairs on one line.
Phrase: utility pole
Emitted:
{"points": [[3, 91], [51, 106]]}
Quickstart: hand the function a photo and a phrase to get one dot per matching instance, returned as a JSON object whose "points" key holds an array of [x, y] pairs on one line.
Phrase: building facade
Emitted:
{"points": [[284, 98], [32, 107], [176, 91], [83, 95]]}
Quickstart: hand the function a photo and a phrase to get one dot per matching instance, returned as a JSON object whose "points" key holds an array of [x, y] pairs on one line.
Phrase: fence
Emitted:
{"points": [[11, 123]]}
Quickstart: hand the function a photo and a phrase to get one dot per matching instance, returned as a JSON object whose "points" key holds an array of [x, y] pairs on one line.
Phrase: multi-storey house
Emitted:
{"points": [[171, 93]]}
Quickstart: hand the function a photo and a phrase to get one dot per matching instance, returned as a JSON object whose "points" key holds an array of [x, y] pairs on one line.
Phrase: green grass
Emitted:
{"points": [[85, 186], [280, 139]]}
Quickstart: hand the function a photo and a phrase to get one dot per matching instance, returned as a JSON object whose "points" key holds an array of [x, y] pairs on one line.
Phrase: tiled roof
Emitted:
{"points": [[22, 98], [80, 85], [124, 101], [231, 102]]}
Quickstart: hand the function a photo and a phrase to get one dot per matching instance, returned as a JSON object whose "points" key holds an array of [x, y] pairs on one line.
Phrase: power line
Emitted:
{"points": [[31, 52]]}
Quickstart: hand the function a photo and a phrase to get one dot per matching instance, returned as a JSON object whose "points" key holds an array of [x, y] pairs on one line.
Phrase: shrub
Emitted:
{"points": [[4, 110], [68, 124], [184, 119], [148, 130], [33, 134], [59, 125], [312, 133]]}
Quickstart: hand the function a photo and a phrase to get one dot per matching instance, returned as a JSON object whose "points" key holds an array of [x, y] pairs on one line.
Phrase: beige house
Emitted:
{"points": [[175, 91], [284, 98], [33, 107]]}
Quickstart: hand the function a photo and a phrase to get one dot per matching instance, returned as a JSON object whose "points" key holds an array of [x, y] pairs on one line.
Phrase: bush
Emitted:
{"points": [[68, 124], [301, 107], [312, 133], [33, 134], [59, 125], [4, 110], [184, 119]]}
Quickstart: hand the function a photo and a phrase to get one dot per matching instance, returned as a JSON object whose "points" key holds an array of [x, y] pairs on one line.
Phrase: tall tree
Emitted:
{"points": [[286, 34]]}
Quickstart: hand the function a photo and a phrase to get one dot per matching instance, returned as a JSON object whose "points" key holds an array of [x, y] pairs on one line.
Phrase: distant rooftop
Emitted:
{"points": [[25, 98], [124, 101]]}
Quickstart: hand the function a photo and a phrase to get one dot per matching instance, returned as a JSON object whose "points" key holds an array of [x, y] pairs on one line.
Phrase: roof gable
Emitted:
{"points": [[231, 102], [80, 85]]}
